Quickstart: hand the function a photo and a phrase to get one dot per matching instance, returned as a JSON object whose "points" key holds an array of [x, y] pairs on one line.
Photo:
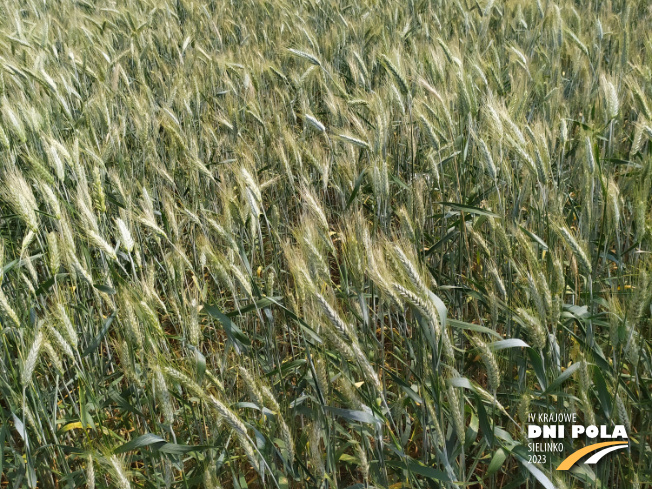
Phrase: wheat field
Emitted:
{"points": [[322, 244]]}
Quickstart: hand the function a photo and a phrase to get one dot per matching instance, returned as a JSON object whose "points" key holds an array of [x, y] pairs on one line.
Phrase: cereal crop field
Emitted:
{"points": [[323, 244]]}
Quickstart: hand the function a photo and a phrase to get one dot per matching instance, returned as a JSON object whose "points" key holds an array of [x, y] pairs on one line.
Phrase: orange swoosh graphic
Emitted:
{"points": [[575, 456]]}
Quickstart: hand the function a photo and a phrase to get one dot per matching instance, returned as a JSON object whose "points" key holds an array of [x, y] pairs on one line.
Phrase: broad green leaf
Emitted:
{"points": [[536, 238], [563, 377], [176, 449], [350, 414], [537, 473], [235, 334], [496, 461], [537, 365], [259, 304], [442, 310], [603, 392], [302, 324], [142, 441], [98, 339], [468, 208], [510, 343], [356, 189], [104, 288], [472, 327], [406, 388], [419, 469], [485, 424]]}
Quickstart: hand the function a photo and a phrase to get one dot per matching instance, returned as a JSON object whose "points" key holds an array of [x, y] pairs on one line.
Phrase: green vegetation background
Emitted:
{"points": [[322, 244]]}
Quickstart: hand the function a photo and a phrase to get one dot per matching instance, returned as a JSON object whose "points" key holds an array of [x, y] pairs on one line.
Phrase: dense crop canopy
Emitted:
{"points": [[322, 244]]}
